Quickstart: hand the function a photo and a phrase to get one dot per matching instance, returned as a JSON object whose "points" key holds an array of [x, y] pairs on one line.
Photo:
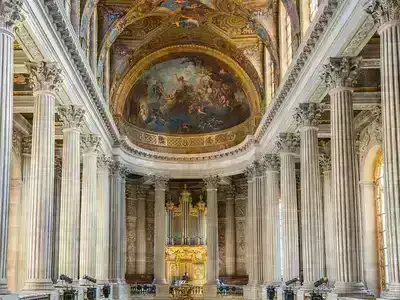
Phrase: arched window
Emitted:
{"points": [[381, 221]]}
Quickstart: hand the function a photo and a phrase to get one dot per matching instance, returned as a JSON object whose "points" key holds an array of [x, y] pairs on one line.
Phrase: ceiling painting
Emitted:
{"points": [[187, 94], [244, 15]]}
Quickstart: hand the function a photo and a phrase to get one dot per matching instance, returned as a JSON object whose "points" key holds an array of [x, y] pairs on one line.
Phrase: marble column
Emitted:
{"points": [[287, 144], [210, 289], [250, 170], [10, 12], [141, 196], [387, 14], [90, 144], [307, 117], [230, 236], [340, 75], [118, 230], [329, 218], [72, 118], [56, 218], [160, 185], [103, 219], [271, 230], [45, 79], [26, 173]]}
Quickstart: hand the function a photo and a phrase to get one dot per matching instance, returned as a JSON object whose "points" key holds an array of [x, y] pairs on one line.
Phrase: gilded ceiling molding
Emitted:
{"points": [[121, 93]]}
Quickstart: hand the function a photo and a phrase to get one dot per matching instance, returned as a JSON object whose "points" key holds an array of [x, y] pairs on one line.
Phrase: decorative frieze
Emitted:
{"points": [[44, 76]]}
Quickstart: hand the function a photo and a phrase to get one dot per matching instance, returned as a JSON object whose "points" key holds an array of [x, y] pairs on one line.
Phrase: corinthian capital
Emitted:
{"points": [[250, 171], [308, 114], [272, 162], [27, 145], [325, 162], [10, 12], [341, 72], [211, 182], [160, 182], [288, 142], [72, 116], [44, 76], [103, 161], [90, 143], [119, 169], [384, 11]]}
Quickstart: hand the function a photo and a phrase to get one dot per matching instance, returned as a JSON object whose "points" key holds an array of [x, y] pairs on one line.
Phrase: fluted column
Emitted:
{"points": [[26, 173], [211, 183], [118, 230], [160, 185], [103, 219], [230, 237], [250, 170], [271, 236], [141, 195], [340, 76], [307, 117], [72, 118], [45, 78], [56, 218], [329, 218], [387, 14], [287, 144], [10, 11], [87, 261]]}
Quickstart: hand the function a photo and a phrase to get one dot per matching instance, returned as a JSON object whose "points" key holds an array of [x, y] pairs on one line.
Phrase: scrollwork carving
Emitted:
{"points": [[308, 114], [288, 142], [211, 182], [10, 12], [384, 11], [325, 162], [27, 145], [272, 162], [90, 143]]}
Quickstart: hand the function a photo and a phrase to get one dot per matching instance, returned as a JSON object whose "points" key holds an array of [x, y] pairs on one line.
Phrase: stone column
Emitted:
{"points": [[118, 230], [329, 218], [387, 14], [45, 78], [271, 230], [56, 218], [72, 118], [26, 173], [10, 11], [90, 144], [287, 144], [340, 76], [249, 221], [230, 236], [210, 289], [103, 219], [307, 117], [160, 185], [141, 195]]}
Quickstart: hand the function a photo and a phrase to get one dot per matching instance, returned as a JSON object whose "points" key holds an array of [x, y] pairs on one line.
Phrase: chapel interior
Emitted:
{"points": [[199, 149]]}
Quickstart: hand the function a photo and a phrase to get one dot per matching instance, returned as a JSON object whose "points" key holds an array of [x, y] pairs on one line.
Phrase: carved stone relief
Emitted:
{"points": [[221, 247], [131, 246], [240, 248]]}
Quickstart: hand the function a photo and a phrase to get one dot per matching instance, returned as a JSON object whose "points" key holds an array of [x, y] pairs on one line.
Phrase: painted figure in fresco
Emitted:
{"points": [[189, 94]]}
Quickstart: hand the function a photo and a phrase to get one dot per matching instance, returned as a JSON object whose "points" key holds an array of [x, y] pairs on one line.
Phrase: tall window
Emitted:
{"points": [[313, 4], [381, 222], [288, 30]]}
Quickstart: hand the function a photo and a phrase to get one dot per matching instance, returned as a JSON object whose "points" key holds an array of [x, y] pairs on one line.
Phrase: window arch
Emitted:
{"points": [[381, 221]]}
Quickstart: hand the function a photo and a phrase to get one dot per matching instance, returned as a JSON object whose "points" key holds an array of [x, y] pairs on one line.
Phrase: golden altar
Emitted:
{"points": [[183, 258]]}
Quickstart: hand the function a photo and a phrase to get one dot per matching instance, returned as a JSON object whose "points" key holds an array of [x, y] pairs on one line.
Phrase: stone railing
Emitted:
{"points": [[35, 297], [143, 290], [230, 290]]}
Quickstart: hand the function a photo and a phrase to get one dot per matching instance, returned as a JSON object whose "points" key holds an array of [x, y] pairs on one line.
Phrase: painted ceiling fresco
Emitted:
{"points": [[187, 94]]}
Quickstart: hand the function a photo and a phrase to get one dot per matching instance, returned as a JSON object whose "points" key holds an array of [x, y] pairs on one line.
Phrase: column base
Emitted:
{"points": [[354, 290], [253, 292], [38, 286], [210, 291], [120, 290], [3, 287], [162, 291], [393, 292], [304, 290]]}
